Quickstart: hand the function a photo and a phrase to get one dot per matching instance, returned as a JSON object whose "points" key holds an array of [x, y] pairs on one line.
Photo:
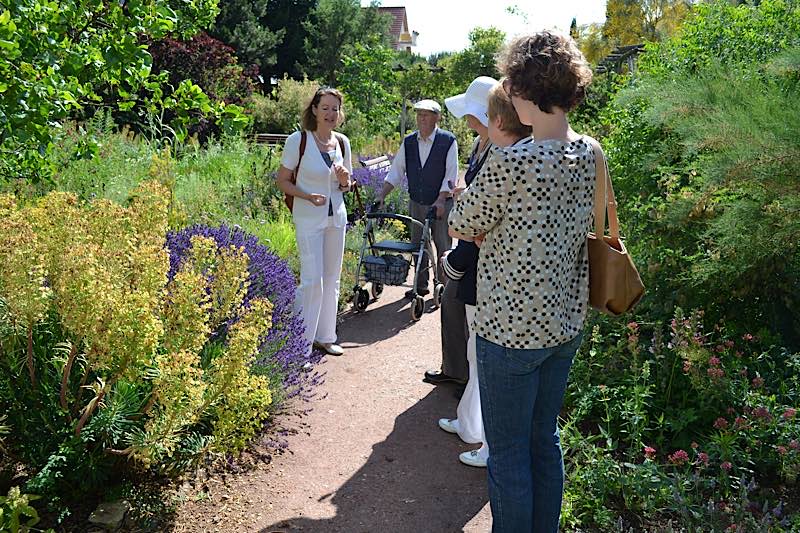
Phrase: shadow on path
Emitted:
{"points": [[412, 481], [384, 318]]}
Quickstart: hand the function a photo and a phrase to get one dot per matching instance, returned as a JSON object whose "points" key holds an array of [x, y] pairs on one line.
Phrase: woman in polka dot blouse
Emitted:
{"points": [[534, 205]]}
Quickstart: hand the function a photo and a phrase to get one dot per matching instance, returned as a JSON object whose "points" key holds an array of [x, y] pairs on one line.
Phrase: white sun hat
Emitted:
{"points": [[428, 105], [475, 101]]}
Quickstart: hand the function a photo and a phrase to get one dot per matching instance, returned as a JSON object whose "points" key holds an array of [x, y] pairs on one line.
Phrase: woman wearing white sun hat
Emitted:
{"points": [[458, 300]]}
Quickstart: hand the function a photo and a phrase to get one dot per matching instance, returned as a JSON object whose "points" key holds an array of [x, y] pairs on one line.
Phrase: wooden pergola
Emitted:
{"points": [[621, 55]]}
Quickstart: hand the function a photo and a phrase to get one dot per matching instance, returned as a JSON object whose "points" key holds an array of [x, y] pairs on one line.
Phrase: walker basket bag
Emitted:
{"points": [[614, 283], [388, 269]]}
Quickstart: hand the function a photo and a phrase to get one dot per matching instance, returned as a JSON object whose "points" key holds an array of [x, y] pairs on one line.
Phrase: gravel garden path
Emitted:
{"points": [[368, 456]]}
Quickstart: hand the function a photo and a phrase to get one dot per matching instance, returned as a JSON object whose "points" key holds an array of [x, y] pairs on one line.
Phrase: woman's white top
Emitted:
{"points": [[314, 176]]}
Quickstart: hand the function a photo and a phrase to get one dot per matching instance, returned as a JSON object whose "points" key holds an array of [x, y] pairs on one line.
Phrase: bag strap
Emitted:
{"points": [[303, 139], [604, 199]]}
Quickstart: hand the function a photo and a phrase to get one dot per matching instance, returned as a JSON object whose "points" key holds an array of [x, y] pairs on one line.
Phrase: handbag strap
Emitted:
{"points": [[604, 199], [303, 139]]}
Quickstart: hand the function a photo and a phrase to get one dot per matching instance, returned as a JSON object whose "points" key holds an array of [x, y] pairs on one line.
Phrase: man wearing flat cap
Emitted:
{"points": [[428, 157]]}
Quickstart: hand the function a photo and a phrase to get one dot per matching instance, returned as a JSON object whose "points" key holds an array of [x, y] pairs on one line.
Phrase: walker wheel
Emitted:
{"points": [[361, 300], [417, 308], [377, 289], [438, 291]]}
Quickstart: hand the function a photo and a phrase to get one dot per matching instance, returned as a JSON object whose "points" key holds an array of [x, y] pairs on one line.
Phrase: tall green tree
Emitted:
{"points": [[59, 58], [288, 16], [478, 59], [242, 25], [368, 81], [333, 28]]}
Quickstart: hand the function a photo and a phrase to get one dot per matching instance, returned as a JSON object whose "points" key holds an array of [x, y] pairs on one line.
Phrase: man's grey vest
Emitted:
{"points": [[425, 182]]}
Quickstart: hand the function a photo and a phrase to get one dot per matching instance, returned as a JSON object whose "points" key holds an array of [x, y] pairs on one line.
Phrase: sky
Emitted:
{"points": [[444, 25]]}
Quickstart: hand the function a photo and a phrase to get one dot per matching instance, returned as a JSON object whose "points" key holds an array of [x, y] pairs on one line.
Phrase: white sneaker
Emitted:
{"points": [[450, 426], [474, 458]]}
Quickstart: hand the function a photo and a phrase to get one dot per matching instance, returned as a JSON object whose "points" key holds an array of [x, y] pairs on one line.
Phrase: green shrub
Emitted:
{"points": [[280, 111], [106, 366]]}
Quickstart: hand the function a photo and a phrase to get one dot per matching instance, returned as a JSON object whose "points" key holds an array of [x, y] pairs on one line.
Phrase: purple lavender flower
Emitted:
{"points": [[284, 347]]}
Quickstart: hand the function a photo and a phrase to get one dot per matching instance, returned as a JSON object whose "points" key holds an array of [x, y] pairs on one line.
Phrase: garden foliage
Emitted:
{"points": [[688, 412], [115, 359]]}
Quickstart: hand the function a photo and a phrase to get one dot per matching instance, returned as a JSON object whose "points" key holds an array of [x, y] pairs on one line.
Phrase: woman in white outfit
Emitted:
{"points": [[504, 129], [319, 212]]}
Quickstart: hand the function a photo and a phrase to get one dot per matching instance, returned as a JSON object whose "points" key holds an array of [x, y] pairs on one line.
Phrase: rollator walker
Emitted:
{"points": [[387, 262]]}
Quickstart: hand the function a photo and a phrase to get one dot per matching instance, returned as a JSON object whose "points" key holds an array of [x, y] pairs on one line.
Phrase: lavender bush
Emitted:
{"points": [[371, 182], [284, 348]]}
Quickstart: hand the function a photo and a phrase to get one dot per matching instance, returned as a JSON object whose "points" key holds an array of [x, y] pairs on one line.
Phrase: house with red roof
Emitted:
{"points": [[402, 37]]}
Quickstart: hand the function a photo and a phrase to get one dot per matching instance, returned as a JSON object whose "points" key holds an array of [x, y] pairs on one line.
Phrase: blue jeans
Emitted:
{"points": [[521, 396]]}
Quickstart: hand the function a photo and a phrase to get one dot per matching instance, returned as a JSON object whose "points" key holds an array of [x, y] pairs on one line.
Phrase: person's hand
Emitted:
{"points": [[317, 199], [439, 205], [342, 174], [478, 240], [457, 192]]}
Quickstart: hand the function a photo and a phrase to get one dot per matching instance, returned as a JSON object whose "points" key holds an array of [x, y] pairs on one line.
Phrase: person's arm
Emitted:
{"points": [[482, 205], [287, 187], [460, 259], [449, 180], [289, 162], [345, 170], [395, 175]]}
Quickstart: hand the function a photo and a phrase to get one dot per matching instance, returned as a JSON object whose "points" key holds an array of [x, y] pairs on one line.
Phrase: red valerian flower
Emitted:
{"points": [[726, 466], [789, 413], [702, 457], [758, 382], [649, 452], [720, 423], [679, 457]]}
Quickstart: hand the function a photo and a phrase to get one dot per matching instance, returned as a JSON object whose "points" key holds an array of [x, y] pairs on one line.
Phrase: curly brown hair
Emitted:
{"points": [[308, 120], [546, 68]]}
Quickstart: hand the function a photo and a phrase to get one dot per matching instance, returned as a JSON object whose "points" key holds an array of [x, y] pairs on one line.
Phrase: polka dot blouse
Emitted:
{"points": [[534, 202]]}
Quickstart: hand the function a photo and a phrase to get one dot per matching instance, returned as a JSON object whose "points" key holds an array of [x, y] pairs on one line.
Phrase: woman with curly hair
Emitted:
{"points": [[534, 205]]}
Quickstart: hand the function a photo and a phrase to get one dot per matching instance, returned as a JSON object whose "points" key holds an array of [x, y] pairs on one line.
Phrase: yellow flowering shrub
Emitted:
{"points": [[138, 343]]}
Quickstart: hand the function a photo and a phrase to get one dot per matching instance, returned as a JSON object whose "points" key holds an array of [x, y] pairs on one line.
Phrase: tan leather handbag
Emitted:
{"points": [[614, 283]]}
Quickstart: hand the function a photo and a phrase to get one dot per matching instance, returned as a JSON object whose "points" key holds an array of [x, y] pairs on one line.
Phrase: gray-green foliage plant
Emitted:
{"points": [[703, 157]]}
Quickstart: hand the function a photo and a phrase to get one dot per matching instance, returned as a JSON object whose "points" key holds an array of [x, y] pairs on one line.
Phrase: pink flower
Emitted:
{"points": [[762, 412], [649, 452], [793, 444], [738, 353], [695, 445], [740, 422], [720, 423], [687, 366], [680, 457], [789, 413], [726, 466], [715, 373], [728, 344], [702, 457], [758, 382], [719, 348], [714, 361], [633, 326], [781, 450], [748, 337]]}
